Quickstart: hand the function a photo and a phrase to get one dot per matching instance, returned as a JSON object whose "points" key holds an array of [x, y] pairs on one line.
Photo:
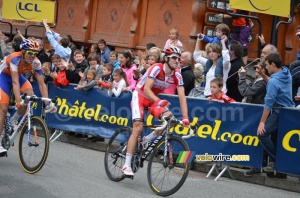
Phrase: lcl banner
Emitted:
{"points": [[27, 10]]}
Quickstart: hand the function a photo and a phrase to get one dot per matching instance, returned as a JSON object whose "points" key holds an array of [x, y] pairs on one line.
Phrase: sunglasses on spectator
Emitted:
{"points": [[175, 58], [29, 52]]}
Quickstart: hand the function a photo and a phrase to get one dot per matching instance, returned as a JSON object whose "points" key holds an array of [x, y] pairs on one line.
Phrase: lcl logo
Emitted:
{"points": [[27, 10]]}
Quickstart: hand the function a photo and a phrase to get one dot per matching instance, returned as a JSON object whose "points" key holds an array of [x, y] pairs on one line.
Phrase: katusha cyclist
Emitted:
{"points": [[11, 70], [156, 79]]}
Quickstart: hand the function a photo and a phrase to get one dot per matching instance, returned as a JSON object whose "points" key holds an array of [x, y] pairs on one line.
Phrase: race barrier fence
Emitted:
{"points": [[224, 129]]}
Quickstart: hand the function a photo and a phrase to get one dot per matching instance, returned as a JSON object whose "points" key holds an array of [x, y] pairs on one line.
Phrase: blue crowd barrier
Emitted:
{"points": [[224, 129]]}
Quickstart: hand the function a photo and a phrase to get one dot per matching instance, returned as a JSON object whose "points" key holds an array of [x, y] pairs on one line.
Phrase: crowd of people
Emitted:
{"points": [[220, 70]]}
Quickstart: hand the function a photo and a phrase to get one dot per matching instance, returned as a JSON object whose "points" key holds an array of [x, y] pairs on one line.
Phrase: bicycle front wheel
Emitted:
{"points": [[33, 149], [115, 154], [165, 177]]}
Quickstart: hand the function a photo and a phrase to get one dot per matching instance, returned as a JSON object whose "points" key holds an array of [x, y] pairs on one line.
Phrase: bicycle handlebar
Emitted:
{"points": [[52, 102], [166, 119]]}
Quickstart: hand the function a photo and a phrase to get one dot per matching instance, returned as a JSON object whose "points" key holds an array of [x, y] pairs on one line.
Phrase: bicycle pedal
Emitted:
{"points": [[129, 176]]}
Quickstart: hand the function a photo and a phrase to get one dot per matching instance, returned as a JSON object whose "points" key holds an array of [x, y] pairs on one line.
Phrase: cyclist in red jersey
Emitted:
{"points": [[157, 78], [11, 70]]}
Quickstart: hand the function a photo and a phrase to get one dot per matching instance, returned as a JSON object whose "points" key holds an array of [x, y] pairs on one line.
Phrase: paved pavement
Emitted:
{"points": [[292, 183], [73, 171]]}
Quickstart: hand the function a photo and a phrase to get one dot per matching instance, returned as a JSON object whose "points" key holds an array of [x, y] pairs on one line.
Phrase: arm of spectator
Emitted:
{"points": [[131, 81], [46, 26], [225, 54], [262, 41], [197, 53], [90, 85], [99, 73], [104, 84], [20, 34]]}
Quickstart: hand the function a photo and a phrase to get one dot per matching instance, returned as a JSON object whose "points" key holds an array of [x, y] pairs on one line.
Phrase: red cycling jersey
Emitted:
{"points": [[161, 82]]}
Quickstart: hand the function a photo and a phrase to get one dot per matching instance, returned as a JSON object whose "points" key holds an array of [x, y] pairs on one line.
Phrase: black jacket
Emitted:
{"points": [[233, 81], [255, 92], [188, 79]]}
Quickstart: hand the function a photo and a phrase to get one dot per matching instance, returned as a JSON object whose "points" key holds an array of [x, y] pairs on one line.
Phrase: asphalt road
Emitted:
{"points": [[72, 171]]}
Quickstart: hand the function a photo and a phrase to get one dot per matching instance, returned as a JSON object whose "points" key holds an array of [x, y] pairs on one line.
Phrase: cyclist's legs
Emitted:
{"points": [[5, 87], [136, 131], [26, 88]]}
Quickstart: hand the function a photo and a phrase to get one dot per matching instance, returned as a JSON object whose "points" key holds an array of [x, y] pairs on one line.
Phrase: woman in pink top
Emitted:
{"points": [[127, 66]]}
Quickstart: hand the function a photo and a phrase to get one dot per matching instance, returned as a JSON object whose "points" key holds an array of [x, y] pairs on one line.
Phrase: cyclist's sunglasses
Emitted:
{"points": [[175, 58], [29, 52]]}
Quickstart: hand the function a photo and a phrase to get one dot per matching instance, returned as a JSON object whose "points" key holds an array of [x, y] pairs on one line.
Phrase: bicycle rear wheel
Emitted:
{"points": [[115, 154], [167, 178], [33, 153]]}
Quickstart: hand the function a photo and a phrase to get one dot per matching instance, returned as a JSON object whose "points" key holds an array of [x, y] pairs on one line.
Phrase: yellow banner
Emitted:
{"points": [[272, 7], [28, 10]]}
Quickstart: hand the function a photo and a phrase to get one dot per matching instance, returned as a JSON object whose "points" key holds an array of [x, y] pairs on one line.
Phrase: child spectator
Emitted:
{"points": [[89, 81], [173, 40], [106, 77], [242, 29], [221, 31], [114, 59], [80, 62], [54, 60], [216, 86], [120, 82], [46, 68], [61, 77]]}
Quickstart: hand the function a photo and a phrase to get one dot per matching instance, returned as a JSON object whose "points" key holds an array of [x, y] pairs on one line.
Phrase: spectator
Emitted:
{"points": [[298, 36], [222, 31], [104, 52], [61, 77], [236, 62], [254, 92], [242, 29], [127, 65], [93, 61], [107, 76], [213, 51], [59, 44], [95, 49], [216, 86], [17, 40], [6, 46], [90, 80], [279, 94], [173, 40], [46, 68], [119, 83], [72, 46], [142, 55], [187, 72], [54, 61], [42, 55], [80, 62], [114, 59], [295, 72], [151, 58]]}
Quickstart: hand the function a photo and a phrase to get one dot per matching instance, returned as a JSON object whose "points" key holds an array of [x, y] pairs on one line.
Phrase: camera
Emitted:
{"points": [[298, 36], [200, 36], [255, 67]]}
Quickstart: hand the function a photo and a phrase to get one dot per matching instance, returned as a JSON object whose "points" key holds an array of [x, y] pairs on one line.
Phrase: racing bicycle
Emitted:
{"points": [[33, 139], [164, 173]]}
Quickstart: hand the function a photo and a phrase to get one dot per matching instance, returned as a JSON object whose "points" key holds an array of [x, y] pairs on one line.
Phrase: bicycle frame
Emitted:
{"points": [[27, 115]]}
